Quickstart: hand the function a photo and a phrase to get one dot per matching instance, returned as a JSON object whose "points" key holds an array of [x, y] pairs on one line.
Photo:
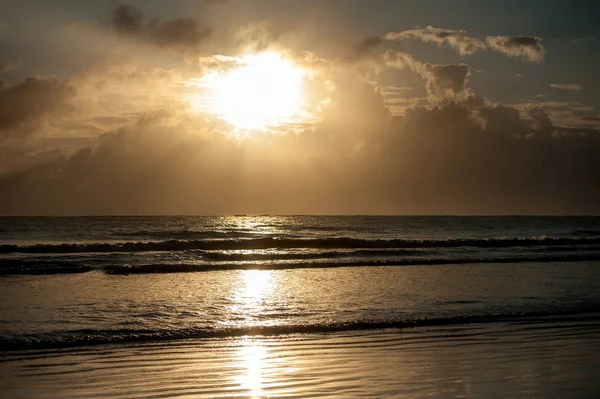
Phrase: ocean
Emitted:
{"points": [[124, 287]]}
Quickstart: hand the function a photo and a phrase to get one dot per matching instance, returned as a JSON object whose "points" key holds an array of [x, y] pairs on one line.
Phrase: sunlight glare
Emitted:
{"points": [[264, 90], [256, 285], [254, 356]]}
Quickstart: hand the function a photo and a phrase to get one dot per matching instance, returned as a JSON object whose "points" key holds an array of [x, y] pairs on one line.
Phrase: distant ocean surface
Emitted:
{"points": [[81, 281]]}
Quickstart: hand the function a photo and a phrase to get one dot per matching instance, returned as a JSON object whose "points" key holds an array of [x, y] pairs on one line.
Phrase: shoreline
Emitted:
{"points": [[367, 327], [549, 359]]}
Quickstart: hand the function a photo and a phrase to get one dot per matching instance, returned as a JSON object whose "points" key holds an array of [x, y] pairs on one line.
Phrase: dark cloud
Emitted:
{"points": [[259, 37], [456, 39], [459, 154], [181, 32], [443, 82], [446, 81], [364, 47], [525, 47], [127, 20], [463, 156], [186, 32], [29, 102]]}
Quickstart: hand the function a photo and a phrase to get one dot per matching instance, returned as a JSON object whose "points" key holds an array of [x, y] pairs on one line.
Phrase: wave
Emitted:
{"points": [[206, 267], [16, 267], [90, 337], [294, 243], [229, 256]]}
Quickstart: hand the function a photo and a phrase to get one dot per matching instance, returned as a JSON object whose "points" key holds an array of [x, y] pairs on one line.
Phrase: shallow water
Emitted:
{"points": [[95, 308], [544, 359]]}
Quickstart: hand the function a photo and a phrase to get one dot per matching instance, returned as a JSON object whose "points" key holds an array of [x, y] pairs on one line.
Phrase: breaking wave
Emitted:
{"points": [[294, 243], [91, 337], [49, 267]]}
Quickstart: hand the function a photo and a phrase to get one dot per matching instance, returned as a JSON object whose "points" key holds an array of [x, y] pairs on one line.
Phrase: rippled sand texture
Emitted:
{"points": [[517, 360]]}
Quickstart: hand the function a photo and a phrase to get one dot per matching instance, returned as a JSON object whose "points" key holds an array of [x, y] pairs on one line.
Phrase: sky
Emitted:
{"points": [[299, 107]]}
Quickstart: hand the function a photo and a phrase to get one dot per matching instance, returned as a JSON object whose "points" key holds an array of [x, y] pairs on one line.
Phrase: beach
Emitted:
{"points": [[528, 359]]}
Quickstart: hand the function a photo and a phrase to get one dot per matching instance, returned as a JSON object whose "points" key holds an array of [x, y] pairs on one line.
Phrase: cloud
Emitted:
{"points": [[185, 32], [465, 155], [443, 82], [135, 147], [46, 115], [128, 21], [364, 48], [28, 102], [566, 86], [456, 39], [217, 63], [564, 114], [259, 37], [528, 48]]}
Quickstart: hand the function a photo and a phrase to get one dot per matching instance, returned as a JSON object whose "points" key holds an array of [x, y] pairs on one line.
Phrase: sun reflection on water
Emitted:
{"points": [[258, 226], [252, 300], [256, 285], [253, 358]]}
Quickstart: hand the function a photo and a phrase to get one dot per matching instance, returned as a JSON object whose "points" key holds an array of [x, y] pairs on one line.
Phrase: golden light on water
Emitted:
{"points": [[255, 287], [259, 91], [253, 356]]}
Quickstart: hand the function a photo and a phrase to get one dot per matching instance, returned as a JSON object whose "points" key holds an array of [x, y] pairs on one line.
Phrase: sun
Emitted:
{"points": [[259, 91]]}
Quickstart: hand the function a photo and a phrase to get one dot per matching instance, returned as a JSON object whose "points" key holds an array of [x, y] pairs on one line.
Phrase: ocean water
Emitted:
{"points": [[85, 281]]}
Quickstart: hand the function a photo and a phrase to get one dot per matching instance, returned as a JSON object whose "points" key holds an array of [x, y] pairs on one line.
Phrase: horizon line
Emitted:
{"points": [[296, 215]]}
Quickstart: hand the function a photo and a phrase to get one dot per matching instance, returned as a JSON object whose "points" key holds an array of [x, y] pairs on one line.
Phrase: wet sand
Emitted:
{"points": [[533, 359]]}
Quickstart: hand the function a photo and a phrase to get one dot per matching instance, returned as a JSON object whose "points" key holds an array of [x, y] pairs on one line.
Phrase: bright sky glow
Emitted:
{"points": [[264, 90]]}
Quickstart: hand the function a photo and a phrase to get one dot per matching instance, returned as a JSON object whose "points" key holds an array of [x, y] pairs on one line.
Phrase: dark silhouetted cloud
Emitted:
{"points": [[456, 39], [363, 48], [446, 81], [463, 156], [28, 102], [128, 20], [443, 82], [527, 48]]}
